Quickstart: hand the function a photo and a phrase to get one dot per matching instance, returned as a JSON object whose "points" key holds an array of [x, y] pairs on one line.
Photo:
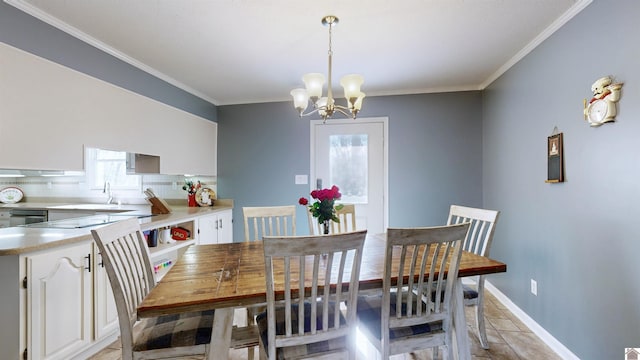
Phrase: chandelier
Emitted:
{"points": [[314, 82]]}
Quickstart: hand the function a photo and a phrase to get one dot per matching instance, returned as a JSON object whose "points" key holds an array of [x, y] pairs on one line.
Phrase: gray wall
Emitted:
{"points": [[435, 146], [580, 239], [25, 32]]}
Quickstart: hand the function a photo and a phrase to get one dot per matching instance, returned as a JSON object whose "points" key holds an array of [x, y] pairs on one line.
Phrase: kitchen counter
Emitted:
{"points": [[18, 240], [76, 206]]}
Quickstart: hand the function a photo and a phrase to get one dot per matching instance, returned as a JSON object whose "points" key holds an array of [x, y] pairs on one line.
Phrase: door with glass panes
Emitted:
{"points": [[351, 154]]}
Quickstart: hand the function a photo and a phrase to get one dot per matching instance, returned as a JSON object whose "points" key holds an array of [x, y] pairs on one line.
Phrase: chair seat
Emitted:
{"points": [[469, 292], [306, 349], [369, 314], [174, 331]]}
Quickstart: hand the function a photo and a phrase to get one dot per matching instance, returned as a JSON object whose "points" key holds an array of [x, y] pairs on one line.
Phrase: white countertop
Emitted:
{"points": [[18, 240], [76, 206]]}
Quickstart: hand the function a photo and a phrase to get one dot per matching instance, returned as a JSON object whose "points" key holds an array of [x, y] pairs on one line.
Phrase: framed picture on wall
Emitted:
{"points": [[555, 159]]}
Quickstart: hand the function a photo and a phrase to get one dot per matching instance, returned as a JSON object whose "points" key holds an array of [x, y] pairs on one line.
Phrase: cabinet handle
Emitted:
{"points": [[88, 257], [220, 221], [101, 263]]}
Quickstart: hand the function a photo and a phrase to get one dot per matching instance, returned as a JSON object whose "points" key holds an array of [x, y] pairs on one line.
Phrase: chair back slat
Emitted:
{"points": [[482, 228], [269, 221], [311, 274], [347, 216]]}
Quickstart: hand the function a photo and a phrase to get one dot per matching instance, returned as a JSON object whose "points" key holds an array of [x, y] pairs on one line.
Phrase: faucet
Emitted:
{"points": [[107, 190]]}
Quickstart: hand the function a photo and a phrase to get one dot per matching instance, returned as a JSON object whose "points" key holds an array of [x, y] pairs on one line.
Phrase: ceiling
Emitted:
{"points": [[244, 51]]}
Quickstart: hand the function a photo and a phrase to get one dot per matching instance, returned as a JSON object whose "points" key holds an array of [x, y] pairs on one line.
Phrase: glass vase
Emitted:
{"points": [[325, 227]]}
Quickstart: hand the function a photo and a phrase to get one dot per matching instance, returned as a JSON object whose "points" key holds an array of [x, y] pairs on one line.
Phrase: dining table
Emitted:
{"points": [[228, 276]]}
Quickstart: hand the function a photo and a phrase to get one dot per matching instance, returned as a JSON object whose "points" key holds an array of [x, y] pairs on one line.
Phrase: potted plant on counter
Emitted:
{"points": [[190, 187]]}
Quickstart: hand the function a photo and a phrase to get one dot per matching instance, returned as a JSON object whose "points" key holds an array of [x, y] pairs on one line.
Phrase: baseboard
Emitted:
{"points": [[97, 346], [547, 338]]}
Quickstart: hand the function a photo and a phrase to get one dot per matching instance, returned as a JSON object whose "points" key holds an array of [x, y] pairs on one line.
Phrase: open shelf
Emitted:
{"points": [[162, 249]]}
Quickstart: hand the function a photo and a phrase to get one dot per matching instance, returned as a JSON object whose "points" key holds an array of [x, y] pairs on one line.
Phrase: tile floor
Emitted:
{"points": [[509, 339]]}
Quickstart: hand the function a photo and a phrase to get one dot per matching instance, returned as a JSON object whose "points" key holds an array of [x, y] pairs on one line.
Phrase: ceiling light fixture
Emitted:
{"points": [[314, 82]]}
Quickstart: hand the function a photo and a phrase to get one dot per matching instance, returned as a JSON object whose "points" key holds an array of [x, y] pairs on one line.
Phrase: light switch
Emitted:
{"points": [[302, 179]]}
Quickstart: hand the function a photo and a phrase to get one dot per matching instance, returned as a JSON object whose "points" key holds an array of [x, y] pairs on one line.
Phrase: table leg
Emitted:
{"points": [[221, 334], [460, 324]]}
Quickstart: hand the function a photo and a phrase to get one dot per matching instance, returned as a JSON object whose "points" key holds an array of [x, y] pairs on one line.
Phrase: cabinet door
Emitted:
{"points": [[202, 138], [59, 302], [106, 314], [225, 227], [208, 229], [4, 218], [216, 228], [28, 80]]}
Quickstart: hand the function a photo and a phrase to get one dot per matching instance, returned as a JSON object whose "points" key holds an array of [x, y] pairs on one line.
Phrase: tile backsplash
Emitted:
{"points": [[64, 188]]}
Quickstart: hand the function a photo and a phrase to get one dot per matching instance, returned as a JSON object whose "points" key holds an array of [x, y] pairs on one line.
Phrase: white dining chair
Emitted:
{"points": [[260, 221], [126, 260], [403, 320], [346, 215], [478, 241], [310, 312]]}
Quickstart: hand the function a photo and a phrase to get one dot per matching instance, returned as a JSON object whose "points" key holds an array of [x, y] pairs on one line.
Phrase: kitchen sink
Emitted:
{"points": [[86, 221], [88, 207]]}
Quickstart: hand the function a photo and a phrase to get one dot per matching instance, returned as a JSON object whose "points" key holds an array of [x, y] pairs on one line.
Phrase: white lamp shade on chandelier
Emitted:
{"points": [[314, 83]]}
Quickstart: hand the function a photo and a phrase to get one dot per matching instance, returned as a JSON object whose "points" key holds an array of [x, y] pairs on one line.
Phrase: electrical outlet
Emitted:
{"points": [[534, 287]]}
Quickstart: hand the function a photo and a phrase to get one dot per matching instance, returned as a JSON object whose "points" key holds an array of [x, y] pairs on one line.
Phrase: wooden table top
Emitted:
{"points": [[232, 275]]}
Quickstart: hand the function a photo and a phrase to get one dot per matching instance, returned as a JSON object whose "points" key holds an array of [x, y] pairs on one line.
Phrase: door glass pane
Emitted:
{"points": [[348, 166]]}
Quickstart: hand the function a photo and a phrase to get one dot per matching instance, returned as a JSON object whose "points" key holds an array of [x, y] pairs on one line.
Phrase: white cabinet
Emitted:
{"points": [[59, 301], [106, 314], [216, 228], [4, 218], [225, 230], [64, 307], [101, 115], [201, 138]]}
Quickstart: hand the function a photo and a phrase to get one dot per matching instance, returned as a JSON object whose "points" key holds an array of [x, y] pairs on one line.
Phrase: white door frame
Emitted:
{"points": [[385, 152]]}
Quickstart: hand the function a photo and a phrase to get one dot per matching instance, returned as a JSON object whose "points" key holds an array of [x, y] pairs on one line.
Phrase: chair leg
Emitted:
{"points": [[482, 332], [250, 321]]}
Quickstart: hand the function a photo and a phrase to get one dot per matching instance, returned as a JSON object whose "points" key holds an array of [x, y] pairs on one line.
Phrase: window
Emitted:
{"points": [[109, 166], [349, 166]]}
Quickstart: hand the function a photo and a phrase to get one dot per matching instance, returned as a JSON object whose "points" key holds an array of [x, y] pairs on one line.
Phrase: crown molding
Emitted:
{"points": [[568, 15]]}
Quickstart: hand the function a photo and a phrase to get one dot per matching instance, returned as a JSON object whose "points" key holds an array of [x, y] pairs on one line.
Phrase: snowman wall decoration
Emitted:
{"points": [[602, 106]]}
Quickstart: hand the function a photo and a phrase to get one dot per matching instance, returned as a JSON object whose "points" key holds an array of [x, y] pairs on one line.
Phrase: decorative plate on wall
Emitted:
{"points": [[11, 195]]}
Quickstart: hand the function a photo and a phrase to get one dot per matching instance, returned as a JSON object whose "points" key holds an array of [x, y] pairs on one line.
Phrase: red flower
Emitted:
{"points": [[327, 194], [324, 208]]}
